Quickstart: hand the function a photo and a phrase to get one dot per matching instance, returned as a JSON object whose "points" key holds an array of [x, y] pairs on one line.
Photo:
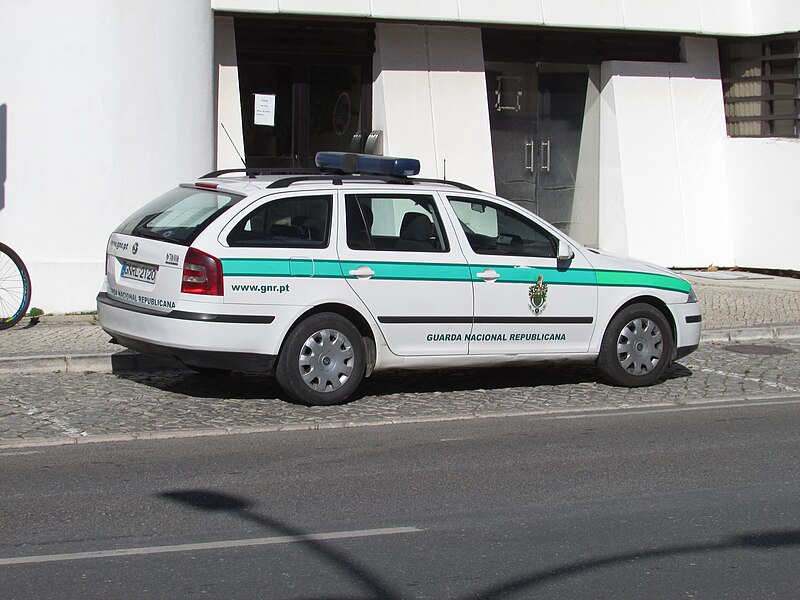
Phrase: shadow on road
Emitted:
{"points": [[379, 588], [240, 507], [254, 387]]}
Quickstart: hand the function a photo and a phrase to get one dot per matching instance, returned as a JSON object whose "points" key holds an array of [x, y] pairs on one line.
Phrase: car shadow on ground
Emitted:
{"points": [[386, 383]]}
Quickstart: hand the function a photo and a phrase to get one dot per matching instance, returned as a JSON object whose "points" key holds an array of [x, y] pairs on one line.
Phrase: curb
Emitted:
{"points": [[127, 360], [747, 334]]}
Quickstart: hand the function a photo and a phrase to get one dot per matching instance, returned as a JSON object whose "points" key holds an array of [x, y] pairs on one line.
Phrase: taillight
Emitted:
{"points": [[202, 274]]}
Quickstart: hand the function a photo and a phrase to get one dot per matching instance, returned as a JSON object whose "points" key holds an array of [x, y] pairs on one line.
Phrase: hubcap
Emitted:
{"points": [[326, 360], [640, 346]]}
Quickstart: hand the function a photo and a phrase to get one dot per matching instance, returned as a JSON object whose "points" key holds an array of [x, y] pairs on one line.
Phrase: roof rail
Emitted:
{"points": [[299, 175], [252, 173], [458, 184], [337, 179]]}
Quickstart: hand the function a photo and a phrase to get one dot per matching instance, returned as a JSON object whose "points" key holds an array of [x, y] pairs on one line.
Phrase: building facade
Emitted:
{"points": [[667, 131]]}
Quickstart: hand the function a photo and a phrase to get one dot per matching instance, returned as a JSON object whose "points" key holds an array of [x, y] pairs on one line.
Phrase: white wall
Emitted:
{"points": [[764, 184], [775, 16], [429, 98], [726, 17], [663, 180], [109, 103]]}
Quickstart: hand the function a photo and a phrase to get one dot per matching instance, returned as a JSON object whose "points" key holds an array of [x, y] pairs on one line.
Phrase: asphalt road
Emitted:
{"points": [[686, 502]]}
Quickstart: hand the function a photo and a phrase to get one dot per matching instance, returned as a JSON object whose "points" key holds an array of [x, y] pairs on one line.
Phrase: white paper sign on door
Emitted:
{"points": [[265, 109]]}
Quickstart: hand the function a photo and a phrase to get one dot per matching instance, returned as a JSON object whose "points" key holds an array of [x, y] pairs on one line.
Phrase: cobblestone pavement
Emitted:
{"points": [[69, 408], [740, 305]]}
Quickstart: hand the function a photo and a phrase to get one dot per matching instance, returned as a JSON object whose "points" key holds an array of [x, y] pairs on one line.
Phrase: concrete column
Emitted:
{"points": [[663, 185], [430, 100], [230, 139]]}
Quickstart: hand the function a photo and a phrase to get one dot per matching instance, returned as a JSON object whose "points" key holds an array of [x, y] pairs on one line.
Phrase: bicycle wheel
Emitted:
{"points": [[15, 288]]}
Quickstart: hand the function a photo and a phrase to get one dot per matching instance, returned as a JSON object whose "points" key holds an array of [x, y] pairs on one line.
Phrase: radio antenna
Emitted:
{"points": [[234, 145]]}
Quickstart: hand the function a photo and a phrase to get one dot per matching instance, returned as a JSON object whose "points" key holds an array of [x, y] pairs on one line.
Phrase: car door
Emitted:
{"points": [[280, 252], [398, 255], [527, 301]]}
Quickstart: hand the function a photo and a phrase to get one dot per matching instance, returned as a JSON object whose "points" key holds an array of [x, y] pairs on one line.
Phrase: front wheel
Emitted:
{"points": [[15, 288], [637, 347], [323, 360]]}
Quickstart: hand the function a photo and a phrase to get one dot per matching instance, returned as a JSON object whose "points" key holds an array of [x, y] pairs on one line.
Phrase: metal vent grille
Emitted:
{"points": [[761, 84]]}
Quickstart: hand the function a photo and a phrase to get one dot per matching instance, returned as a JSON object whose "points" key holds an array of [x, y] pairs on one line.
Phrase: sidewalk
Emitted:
{"points": [[737, 307]]}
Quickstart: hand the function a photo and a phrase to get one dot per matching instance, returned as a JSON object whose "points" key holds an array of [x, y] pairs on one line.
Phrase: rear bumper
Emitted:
{"points": [[206, 340], [208, 359]]}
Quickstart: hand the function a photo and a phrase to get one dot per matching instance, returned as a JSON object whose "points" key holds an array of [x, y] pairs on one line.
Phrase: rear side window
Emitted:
{"points": [[302, 222], [179, 215], [394, 222]]}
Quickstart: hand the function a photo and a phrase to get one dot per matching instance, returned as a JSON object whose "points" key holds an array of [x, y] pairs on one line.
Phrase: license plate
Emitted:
{"points": [[138, 272]]}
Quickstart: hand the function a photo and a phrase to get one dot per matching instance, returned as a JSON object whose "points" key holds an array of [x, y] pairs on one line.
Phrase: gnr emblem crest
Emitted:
{"points": [[538, 295]]}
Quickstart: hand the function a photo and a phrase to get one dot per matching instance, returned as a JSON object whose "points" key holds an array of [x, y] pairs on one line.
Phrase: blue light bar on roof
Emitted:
{"points": [[368, 164]]}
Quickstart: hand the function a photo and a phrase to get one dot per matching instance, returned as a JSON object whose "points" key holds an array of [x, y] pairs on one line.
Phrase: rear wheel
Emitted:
{"points": [[323, 360], [15, 288], [637, 347]]}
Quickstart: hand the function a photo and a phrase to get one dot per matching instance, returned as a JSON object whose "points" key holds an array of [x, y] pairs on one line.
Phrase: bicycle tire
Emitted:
{"points": [[15, 288]]}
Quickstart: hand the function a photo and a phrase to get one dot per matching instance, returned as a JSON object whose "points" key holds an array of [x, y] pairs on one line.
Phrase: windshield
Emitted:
{"points": [[179, 215]]}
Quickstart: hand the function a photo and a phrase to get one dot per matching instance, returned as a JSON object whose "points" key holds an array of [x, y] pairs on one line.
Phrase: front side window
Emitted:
{"points": [[302, 222], [496, 230], [394, 222]]}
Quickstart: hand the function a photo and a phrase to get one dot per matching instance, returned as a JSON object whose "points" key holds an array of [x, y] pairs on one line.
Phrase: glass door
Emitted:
{"points": [[291, 112], [544, 142], [514, 123], [304, 86]]}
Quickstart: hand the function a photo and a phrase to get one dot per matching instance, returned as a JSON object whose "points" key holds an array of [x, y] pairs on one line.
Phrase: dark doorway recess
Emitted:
{"points": [[317, 76], [577, 47]]}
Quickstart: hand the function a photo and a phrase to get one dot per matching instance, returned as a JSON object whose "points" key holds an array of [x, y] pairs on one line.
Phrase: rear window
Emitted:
{"points": [[179, 215]]}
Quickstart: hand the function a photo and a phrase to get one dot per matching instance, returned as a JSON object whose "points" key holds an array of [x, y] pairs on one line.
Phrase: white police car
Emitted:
{"points": [[323, 278]]}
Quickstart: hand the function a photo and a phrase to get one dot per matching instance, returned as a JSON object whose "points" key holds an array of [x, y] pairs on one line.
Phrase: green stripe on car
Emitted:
{"points": [[410, 271]]}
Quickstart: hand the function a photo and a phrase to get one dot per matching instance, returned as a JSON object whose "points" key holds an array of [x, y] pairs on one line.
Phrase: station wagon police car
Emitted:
{"points": [[323, 278]]}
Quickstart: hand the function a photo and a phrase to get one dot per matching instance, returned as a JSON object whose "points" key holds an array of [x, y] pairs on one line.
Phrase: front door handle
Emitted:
{"points": [[362, 272], [489, 275]]}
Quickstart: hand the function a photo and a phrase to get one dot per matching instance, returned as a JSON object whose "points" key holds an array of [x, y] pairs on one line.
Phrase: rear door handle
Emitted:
{"points": [[362, 272], [489, 275]]}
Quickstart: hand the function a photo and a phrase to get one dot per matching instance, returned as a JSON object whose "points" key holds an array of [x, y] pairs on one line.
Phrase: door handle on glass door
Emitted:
{"points": [[529, 156], [546, 155]]}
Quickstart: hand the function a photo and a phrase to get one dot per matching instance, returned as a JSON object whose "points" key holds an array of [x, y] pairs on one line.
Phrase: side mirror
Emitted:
{"points": [[565, 251]]}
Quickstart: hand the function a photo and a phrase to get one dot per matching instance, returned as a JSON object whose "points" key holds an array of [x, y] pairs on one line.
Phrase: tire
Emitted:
{"points": [[637, 347], [15, 288], [322, 361]]}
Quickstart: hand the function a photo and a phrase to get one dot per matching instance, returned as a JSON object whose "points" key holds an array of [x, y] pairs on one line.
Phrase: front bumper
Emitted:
{"points": [[688, 326]]}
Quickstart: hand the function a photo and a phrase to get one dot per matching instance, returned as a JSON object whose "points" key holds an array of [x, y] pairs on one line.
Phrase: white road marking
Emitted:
{"points": [[711, 405], [780, 386], [242, 543], [21, 453]]}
